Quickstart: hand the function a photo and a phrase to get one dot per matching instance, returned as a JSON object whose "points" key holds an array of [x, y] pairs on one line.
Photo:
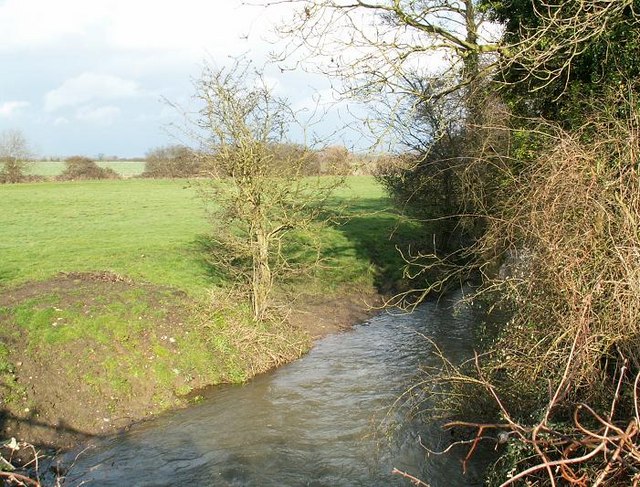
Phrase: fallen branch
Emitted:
{"points": [[19, 479]]}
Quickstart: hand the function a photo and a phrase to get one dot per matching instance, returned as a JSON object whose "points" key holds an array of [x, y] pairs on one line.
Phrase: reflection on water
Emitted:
{"points": [[324, 420]]}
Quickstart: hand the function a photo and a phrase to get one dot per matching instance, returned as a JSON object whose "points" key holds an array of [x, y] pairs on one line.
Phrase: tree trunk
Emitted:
{"points": [[471, 75], [262, 279]]}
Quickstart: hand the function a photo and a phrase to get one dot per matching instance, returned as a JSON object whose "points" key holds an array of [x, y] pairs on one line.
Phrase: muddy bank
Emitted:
{"points": [[62, 367], [86, 355], [320, 317]]}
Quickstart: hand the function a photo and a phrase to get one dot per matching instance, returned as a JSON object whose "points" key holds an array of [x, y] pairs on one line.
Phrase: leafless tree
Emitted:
{"points": [[172, 161], [14, 156], [258, 200], [388, 50]]}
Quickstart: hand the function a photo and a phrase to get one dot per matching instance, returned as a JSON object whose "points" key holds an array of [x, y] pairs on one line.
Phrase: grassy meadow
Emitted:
{"points": [[105, 284], [143, 229], [148, 230]]}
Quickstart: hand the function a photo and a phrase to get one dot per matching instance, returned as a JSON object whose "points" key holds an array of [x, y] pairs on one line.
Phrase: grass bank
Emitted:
{"points": [[108, 312]]}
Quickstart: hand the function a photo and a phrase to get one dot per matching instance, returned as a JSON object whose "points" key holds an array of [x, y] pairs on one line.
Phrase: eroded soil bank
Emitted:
{"points": [[89, 354]]}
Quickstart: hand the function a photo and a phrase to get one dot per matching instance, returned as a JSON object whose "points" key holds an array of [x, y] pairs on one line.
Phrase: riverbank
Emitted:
{"points": [[117, 352], [333, 418]]}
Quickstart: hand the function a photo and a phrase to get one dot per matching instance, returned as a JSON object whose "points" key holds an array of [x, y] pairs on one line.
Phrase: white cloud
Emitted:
{"points": [[35, 23], [105, 115], [88, 87], [61, 121], [86, 63], [195, 25], [190, 24], [10, 108]]}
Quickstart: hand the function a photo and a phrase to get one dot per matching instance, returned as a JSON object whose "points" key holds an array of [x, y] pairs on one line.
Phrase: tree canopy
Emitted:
{"points": [[563, 54]]}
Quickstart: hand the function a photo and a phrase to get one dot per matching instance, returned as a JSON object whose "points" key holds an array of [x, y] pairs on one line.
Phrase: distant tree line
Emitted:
{"points": [[179, 161]]}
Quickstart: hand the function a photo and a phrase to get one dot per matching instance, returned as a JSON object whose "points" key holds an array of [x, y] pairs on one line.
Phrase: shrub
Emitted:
{"points": [[11, 171], [564, 370], [174, 161], [335, 160], [574, 213], [14, 156], [280, 159], [80, 167]]}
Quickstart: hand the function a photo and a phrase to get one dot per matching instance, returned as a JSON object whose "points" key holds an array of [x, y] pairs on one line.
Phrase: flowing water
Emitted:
{"points": [[327, 419]]}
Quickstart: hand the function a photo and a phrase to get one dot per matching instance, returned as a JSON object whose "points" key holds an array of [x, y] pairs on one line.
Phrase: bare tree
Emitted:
{"points": [[387, 50], [424, 68], [259, 200], [14, 156]]}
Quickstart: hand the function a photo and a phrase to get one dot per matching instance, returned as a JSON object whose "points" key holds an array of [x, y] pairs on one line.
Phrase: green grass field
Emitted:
{"points": [[140, 228], [51, 169], [148, 229]]}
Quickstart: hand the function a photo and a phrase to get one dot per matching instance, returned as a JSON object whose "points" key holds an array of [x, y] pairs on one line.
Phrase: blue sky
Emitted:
{"points": [[89, 77]]}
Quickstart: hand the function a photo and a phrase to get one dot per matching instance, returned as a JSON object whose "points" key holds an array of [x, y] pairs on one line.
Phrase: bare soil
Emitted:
{"points": [[320, 317], [57, 408], [55, 405]]}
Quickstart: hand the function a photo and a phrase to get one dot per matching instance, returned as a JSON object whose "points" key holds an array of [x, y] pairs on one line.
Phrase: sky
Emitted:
{"points": [[94, 77]]}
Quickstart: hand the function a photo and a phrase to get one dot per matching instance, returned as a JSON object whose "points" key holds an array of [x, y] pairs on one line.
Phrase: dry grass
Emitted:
{"points": [[572, 219], [253, 347], [575, 215]]}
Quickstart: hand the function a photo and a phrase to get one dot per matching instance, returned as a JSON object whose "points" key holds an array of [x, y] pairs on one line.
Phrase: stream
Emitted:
{"points": [[332, 418]]}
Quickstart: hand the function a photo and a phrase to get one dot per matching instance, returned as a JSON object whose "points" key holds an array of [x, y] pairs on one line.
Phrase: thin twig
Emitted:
{"points": [[414, 480]]}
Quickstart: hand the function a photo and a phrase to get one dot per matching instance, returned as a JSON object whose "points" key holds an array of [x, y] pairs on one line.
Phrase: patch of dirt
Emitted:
{"points": [[62, 282], [50, 400]]}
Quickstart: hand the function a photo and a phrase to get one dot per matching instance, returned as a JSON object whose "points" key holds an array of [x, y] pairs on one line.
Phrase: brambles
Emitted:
{"points": [[594, 446], [567, 238], [574, 214]]}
